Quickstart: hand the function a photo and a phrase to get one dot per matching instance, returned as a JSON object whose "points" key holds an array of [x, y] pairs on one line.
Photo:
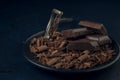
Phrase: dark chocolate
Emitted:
{"points": [[74, 33], [82, 44], [101, 39], [93, 25]]}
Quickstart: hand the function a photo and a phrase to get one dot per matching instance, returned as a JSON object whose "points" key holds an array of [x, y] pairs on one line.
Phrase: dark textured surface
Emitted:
{"points": [[20, 19]]}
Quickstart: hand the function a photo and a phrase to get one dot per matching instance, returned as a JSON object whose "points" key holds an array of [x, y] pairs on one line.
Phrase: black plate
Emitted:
{"points": [[31, 58]]}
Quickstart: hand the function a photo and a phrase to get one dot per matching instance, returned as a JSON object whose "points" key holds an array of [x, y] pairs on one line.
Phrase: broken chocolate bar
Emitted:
{"points": [[92, 25], [74, 33], [101, 39], [82, 44]]}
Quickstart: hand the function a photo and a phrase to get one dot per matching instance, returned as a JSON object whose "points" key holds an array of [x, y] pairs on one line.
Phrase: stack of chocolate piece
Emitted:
{"points": [[90, 36]]}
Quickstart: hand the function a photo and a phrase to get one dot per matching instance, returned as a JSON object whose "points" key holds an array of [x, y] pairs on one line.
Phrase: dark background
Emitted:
{"points": [[20, 19]]}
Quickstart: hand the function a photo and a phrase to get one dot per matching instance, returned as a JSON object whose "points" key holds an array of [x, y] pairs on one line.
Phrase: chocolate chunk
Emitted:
{"points": [[104, 40], [74, 33], [93, 25], [101, 39], [93, 37], [82, 44]]}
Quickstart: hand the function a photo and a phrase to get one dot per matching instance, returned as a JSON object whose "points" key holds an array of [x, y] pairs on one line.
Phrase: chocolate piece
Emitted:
{"points": [[62, 44], [103, 56], [82, 44], [33, 41], [84, 55], [97, 26], [57, 54], [101, 39], [42, 48], [33, 45], [38, 42], [104, 40], [74, 33], [52, 61], [93, 37], [110, 51], [68, 58], [33, 49], [54, 52], [58, 65], [87, 64]]}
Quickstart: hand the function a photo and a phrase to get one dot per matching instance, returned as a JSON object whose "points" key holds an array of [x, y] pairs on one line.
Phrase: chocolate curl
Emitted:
{"points": [[83, 55], [52, 61], [62, 44], [57, 52], [54, 52], [38, 42], [93, 25], [32, 45], [33, 49], [42, 48], [58, 65], [33, 41]]}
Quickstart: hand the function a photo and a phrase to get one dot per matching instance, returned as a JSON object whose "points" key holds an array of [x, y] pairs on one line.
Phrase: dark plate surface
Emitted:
{"points": [[31, 58]]}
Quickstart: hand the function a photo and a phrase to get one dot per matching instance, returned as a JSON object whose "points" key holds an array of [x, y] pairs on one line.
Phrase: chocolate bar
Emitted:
{"points": [[88, 43], [74, 33], [101, 39], [82, 44], [93, 25]]}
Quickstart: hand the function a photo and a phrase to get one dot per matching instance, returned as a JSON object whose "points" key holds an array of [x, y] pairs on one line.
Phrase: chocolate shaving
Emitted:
{"points": [[42, 48], [52, 61], [83, 56]]}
